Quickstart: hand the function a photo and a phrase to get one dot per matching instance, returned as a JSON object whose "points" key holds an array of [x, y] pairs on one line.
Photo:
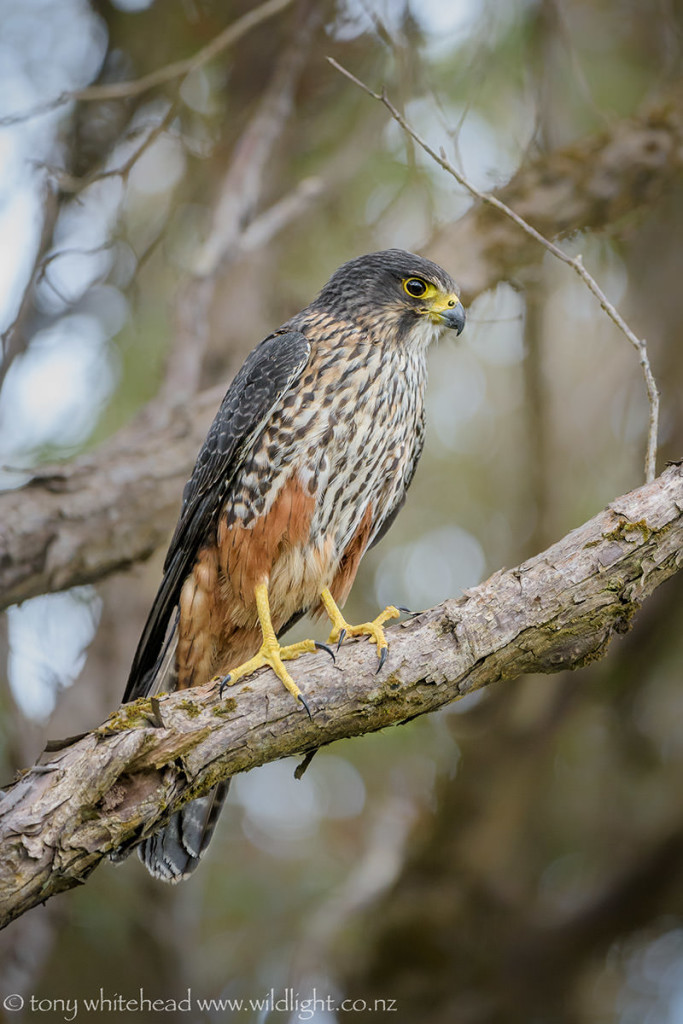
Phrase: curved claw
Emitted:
{"points": [[340, 641], [382, 659], [408, 612], [308, 710], [324, 647], [225, 681]]}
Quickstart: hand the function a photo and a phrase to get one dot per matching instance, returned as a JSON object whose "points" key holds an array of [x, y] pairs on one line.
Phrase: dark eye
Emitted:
{"points": [[415, 287]]}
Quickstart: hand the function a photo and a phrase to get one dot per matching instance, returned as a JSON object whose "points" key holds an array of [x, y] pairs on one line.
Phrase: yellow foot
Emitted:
{"points": [[341, 628], [271, 653]]}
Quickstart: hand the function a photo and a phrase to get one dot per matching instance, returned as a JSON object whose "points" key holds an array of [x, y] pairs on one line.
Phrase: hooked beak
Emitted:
{"points": [[452, 317]]}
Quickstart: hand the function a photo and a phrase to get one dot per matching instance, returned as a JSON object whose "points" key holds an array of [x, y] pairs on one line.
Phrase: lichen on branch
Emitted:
{"points": [[100, 794]]}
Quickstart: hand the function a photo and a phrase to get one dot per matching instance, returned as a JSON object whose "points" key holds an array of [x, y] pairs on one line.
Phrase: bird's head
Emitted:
{"points": [[395, 291]]}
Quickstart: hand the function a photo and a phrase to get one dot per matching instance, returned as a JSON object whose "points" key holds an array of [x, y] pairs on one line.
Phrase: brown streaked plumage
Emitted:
{"points": [[306, 465]]}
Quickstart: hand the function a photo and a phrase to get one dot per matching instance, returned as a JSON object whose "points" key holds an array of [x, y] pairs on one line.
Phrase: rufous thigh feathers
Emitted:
{"points": [[218, 619]]}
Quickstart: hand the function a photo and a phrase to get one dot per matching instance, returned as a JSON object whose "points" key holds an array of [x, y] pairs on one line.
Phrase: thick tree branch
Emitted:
{"points": [[556, 611], [82, 521]]}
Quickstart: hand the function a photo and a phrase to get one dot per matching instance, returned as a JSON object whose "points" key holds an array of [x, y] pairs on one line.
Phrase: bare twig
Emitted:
{"points": [[178, 69], [558, 610], [242, 186], [12, 343], [234, 211], [12, 340], [58, 254], [280, 214], [575, 262], [38, 111], [68, 183]]}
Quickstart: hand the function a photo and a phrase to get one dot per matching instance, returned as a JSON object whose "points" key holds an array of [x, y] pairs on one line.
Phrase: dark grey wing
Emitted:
{"points": [[268, 372], [383, 525]]}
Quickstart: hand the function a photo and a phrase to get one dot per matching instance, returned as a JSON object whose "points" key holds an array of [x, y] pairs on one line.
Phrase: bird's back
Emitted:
{"points": [[305, 466]]}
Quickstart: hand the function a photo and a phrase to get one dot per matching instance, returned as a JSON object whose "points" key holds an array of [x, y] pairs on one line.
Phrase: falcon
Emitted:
{"points": [[305, 467]]}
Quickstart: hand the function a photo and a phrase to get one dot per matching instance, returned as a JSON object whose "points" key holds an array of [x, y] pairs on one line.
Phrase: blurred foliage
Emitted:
{"points": [[516, 857]]}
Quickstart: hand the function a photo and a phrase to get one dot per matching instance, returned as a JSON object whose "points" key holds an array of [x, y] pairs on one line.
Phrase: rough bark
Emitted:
{"points": [[78, 522], [558, 610]]}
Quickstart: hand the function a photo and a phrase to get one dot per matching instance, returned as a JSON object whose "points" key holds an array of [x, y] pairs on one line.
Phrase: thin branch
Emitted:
{"points": [[38, 111], [103, 793], [12, 343], [596, 183], [57, 254], [12, 340], [242, 186], [235, 209], [182, 68], [178, 69], [575, 262], [68, 183], [273, 220]]}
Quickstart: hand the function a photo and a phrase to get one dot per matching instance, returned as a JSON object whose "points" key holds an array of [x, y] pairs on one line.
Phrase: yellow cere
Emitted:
{"points": [[437, 301], [445, 302]]}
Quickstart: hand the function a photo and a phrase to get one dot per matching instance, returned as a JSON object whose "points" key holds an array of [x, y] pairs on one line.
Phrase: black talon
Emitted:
{"points": [[340, 641], [301, 768], [225, 681], [382, 659], [407, 611], [308, 710], [324, 647]]}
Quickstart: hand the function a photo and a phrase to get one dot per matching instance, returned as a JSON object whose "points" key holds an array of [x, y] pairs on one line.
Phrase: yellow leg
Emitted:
{"points": [[341, 628], [271, 653]]}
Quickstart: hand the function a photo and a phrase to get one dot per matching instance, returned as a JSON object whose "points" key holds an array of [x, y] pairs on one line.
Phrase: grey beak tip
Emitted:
{"points": [[455, 318]]}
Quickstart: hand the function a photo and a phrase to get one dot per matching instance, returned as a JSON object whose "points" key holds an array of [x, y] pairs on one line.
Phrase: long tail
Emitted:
{"points": [[173, 852]]}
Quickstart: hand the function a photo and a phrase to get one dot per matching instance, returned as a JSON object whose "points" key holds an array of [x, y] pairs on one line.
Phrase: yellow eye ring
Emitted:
{"points": [[415, 287]]}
